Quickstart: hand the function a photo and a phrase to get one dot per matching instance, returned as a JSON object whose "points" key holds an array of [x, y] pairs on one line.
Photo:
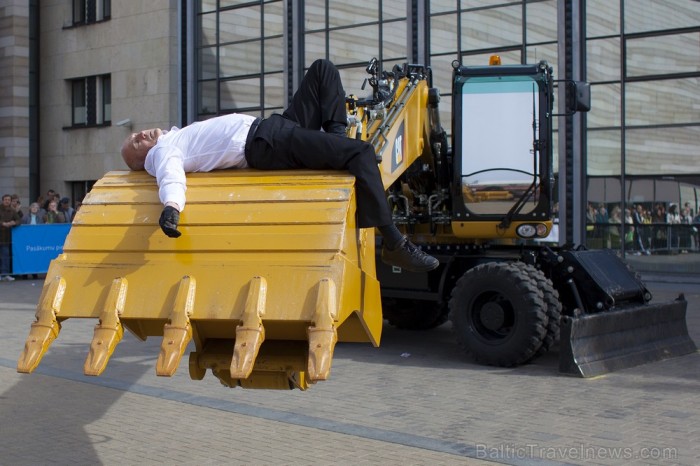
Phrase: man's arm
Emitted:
{"points": [[167, 165], [12, 222], [169, 219]]}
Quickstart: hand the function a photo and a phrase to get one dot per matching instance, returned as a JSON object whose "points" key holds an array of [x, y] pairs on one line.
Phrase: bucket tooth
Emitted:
{"points": [[323, 334], [250, 333], [46, 328], [196, 371], [178, 333], [109, 331]]}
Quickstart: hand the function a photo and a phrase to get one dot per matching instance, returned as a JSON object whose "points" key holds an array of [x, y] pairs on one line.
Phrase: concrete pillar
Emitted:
{"points": [[14, 99]]}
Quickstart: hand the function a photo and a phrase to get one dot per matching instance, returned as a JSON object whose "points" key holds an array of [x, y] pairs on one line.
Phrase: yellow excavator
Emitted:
{"points": [[271, 270]]}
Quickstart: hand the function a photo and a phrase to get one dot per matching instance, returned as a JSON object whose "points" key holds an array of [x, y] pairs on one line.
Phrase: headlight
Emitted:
{"points": [[541, 230], [526, 230]]}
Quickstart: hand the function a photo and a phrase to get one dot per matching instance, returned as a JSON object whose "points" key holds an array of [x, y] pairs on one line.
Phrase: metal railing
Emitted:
{"points": [[647, 238]]}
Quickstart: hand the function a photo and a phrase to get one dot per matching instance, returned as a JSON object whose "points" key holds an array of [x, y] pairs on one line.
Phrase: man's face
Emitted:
{"points": [[143, 141], [137, 145]]}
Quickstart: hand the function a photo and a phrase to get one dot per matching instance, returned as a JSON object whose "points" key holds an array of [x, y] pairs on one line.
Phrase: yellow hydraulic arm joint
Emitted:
{"points": [[46, 328], [178, 333], [109, 331]]}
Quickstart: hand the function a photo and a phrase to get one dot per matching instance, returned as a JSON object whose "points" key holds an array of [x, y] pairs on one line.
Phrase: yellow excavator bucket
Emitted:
{"points": [[269, 273]]}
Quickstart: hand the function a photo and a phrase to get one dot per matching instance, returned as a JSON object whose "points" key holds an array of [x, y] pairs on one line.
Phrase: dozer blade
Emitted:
{"points": [[595, 344], [269, 273]]}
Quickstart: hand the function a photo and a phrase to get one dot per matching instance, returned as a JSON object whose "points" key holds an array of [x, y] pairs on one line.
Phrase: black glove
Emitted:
{"points": [[169, 219]]}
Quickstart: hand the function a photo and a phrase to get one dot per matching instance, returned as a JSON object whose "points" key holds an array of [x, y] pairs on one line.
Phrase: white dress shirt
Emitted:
{"points": [[203, 146]]}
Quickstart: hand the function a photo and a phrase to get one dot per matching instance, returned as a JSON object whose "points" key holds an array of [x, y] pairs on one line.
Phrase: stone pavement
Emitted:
{"points": [[414, 400]]}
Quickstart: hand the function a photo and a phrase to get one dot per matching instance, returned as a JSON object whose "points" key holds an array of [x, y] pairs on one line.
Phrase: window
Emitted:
{"points": [[91, 11], [79, 190], [240, 57], [91, 101], [350, 35]]}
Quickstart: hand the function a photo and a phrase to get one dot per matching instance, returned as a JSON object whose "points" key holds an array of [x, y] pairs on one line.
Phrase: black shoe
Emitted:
{"points": [[409, 257]]}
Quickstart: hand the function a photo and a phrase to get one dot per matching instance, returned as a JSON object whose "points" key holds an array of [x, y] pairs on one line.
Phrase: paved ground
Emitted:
{"points": [[415, 400]]}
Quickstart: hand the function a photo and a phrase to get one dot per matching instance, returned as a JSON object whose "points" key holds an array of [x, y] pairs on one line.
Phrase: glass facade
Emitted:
{"points": [[240, 58], [351, 33], [642, 58], [643, 62], [471, 31]]}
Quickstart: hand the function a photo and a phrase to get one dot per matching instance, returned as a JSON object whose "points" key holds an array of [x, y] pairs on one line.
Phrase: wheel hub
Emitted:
{"points": [[492, 316]]}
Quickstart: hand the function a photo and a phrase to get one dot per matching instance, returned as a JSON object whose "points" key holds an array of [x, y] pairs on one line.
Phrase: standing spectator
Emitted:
{"points": [[591, 229], [696, 231], [40, 201], [601, 220], [640, 239], [66, 209], [660, 230], [601, 215], [614, 230], [629, 229], [673, 218], [50, 194], [8, 219], [53, 215], [686, 219], [17, 205], [34, 216], [689, 209], [590, 216]]}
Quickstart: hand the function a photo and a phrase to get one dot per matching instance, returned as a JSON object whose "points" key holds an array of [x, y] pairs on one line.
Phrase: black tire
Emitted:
{"points": [[409, 314], [498, 314], [553, 307]]}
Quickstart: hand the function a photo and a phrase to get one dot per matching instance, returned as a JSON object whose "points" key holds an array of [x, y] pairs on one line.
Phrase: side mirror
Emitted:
{"points": [[579, 96]]}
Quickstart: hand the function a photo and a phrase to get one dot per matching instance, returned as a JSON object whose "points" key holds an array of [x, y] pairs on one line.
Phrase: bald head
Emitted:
{"points": [[137, 145]]}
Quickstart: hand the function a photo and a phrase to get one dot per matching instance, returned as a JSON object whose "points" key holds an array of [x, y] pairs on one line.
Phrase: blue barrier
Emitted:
{"points": [[35, 246]]}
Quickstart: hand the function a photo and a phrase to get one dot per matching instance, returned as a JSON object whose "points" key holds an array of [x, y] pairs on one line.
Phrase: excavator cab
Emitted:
{"points": [[503, 150]]}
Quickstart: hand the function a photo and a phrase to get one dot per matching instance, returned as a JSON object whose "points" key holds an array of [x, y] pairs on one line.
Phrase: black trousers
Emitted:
{"points": [[293, 140]]}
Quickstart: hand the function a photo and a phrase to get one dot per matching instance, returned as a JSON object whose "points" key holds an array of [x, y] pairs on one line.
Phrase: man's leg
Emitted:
{"points": [[320, 100], [288, 146], [4, 259], [316, 150]]}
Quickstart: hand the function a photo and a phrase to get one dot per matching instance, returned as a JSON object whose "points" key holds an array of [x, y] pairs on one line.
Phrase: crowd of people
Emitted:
{"points": [[51, 208], [647, 227], [657, 227]]}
